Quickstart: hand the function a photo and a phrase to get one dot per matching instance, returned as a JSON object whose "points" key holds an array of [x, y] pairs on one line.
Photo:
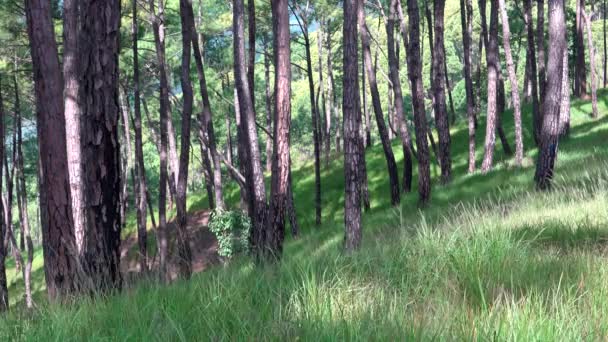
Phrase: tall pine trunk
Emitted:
{"points": [[3, 247], [380, 121], [280, 182], [547, 153], [414, 64], [99, 53], [493, 71], [506, 36], [466, 20], [533, 75], [580, 70], [587, 20], [58, 242], [439, 74]]}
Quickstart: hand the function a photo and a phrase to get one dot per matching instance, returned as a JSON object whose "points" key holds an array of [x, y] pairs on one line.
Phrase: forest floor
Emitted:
{"points": [[491, 258], [202, 243]]}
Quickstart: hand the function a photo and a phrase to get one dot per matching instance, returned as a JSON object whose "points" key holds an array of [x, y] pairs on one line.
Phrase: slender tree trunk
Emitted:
{"points": [[550, 129], [540, 43], [352, 123], [268, 98], [441, 114], [380, 121], [536, 111], [140, 169], [206, 129], [331, 92], [466, 20], [587, 20], [126, 155], [258, 206], [580, 72], [279, 188], [367, 139], [73, 111], [183, 249], [242, 155], [251, 27], [59, 244], [506, 36], [605, 46], [564, 111], [315, 118], [327, 111], [493, 71], [3, 229], [291, 210], [448, 86], [415, 75], [158, 27], [99, 53], [403, 130], [22, 202]]}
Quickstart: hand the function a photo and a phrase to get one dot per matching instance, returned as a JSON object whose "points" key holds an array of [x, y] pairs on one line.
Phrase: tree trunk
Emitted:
{"points": [[26, 238], [327, 111], [506, 36], [279, 188], [59, 244], [3, 229], [140, 170], [393, 173], [536, 111], [268, 102], [258, 207], [564, 111], [415, 75], [158, 27], [493, 70], [466, 21], [291, 210], [315, 118], [183, 249], [441, 114], [126, 156], [540, 43], [550, 129], [242, 155], [206, 129], [352, 123], [587, 19], [101, 24], [448, 86], [403, 130], [331, 91], [73, 111], [580, 72], [251, 53], [367, 139], [605, 47]]}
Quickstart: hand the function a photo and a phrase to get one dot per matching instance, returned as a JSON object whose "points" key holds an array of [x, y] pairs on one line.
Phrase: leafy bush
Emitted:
{"points": [[232, 231]]}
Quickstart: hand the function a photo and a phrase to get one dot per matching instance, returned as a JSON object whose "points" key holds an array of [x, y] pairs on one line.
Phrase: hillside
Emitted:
{"points": [[490, 258]]}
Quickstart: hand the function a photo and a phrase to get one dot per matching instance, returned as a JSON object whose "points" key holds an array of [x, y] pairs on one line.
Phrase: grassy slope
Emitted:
{"points": [[489, 258]]}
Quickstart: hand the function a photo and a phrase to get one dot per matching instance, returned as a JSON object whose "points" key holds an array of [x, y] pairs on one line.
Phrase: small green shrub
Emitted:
{"points": [[232, 231]]}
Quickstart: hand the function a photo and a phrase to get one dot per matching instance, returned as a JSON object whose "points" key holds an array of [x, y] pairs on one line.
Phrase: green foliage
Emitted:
{"points": [[232, 231]]}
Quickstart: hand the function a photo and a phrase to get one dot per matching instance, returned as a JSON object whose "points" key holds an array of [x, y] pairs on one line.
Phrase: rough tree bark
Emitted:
{"points": [[587, 20], [414, 64], [393, 173], [466, 21], [58, 242], [493, 70], [553, 96], [331, 90], [352, 124], [251, 27], [279, 188], [99, 58], [73, 111], [439, 74], [506, 36], [326, 109], [258, 207]]}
